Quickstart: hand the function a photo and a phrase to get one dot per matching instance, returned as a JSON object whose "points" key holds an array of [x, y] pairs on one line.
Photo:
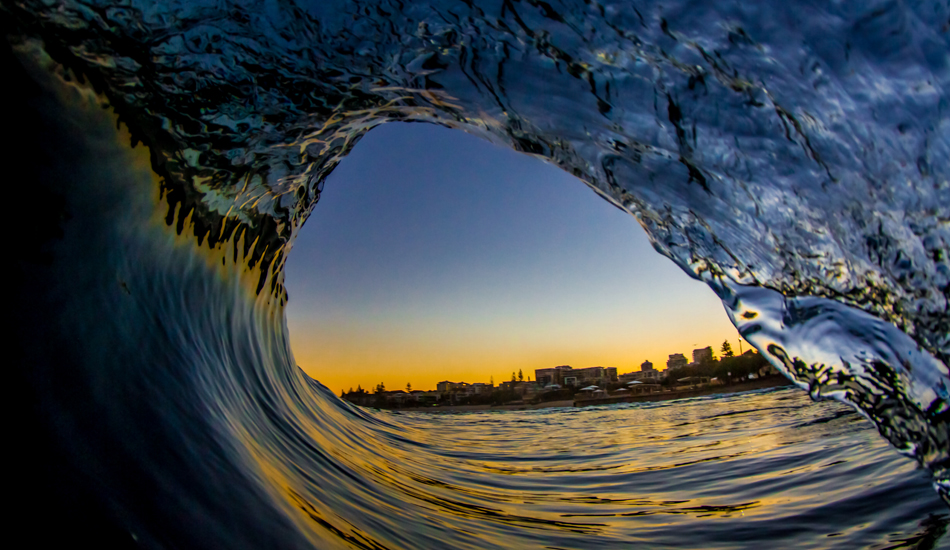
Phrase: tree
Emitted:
{"points": [[740, 367], [726, 349], [520, 376], [513, 376], [408, 387], [491, 380], [380, 388]]}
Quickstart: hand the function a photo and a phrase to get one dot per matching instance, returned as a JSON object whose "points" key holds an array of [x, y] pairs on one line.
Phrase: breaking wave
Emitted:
{"points": [[793, 156]]}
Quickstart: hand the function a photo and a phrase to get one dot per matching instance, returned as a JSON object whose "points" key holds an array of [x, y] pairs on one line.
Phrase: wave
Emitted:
{"points": [[793, 157]]}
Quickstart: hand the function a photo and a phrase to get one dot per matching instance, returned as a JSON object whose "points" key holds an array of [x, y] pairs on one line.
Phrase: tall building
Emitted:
{"points": [[611, 374], [647, 365], [554, 375], [676, 360], [702, 355]]}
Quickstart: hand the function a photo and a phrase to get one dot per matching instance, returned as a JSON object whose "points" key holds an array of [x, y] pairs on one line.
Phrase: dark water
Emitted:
{"points": [[161, 158]]}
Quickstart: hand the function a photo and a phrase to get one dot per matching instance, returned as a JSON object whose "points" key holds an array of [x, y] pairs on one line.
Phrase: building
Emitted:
{"points": [[646, 365], [554, 375], [530, 389], [587, 376], [545, 377], [645, 387], [482, 387], [703, 355], [360, 397], [446, 386], [399, 397], [646, 376], [516, 387], [464, 388], [676, 361], [611, 374], [423, 397]]}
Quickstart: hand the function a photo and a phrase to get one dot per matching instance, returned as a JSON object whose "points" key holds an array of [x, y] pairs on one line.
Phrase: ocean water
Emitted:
{"points": [[740, 470], [161, 157]]}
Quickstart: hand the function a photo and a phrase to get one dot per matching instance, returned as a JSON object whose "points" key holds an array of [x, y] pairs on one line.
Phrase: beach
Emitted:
{"points": [[762, 383], [478, 408]]}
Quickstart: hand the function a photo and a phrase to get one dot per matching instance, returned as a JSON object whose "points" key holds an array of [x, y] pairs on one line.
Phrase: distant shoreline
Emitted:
{"points": [[775, 381], [480, 408]]}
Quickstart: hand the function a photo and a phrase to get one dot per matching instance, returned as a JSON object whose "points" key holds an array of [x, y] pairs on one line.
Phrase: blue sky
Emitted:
{"points": [[436, 255]]}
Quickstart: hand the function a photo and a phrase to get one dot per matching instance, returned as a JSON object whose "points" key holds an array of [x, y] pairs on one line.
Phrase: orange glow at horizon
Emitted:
{"points": [[434, 256], [346, 358]]}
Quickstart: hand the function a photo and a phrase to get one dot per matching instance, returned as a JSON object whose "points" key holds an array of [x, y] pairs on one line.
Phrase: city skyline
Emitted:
{"points": [[532, 375], [434, 255]]}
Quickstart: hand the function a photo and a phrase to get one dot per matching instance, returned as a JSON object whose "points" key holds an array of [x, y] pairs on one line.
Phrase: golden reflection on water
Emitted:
{"points": [[607, 474]]}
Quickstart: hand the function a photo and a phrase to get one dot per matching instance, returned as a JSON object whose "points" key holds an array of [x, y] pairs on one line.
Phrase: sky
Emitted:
{"points": [[435, 255]]}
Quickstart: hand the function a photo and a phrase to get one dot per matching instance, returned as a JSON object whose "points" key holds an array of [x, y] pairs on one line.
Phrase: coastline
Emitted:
{"points": [[774, 381], [483, 408]]}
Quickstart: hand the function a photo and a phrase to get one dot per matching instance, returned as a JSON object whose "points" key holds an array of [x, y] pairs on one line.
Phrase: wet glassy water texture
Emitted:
{"points": [[743, 470], [163, 156]]}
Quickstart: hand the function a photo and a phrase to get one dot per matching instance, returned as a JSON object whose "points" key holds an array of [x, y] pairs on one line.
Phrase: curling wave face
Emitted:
{"points": [[795, 157]]}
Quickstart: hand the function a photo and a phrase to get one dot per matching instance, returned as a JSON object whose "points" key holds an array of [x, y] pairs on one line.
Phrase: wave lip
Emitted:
{"points": [[781, 146], [834, 351]]}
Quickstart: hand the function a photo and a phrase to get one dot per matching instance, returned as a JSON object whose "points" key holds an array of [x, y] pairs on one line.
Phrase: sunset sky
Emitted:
{"points": [[434, 255]]}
